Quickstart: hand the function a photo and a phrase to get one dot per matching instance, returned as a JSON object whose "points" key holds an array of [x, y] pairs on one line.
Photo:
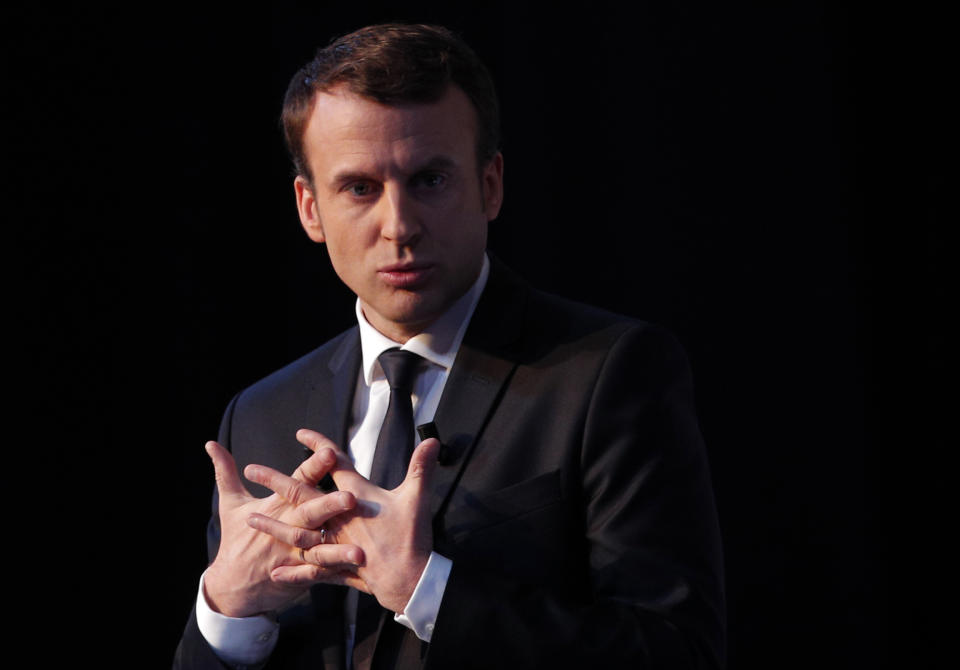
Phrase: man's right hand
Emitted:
{"points": [[237, 583]]}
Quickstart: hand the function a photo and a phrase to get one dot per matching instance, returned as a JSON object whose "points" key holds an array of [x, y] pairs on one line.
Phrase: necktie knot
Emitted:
{"points": [[400, 368]]}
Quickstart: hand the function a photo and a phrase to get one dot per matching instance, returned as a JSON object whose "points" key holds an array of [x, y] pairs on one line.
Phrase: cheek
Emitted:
{"points": [[348, 235], [466, 240]]}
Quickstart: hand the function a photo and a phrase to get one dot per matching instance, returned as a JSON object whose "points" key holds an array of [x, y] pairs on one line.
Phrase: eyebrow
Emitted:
{"points": [[439, 162]]}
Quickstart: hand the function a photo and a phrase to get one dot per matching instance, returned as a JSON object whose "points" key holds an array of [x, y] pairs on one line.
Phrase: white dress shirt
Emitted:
{"points": [[251, 640]]}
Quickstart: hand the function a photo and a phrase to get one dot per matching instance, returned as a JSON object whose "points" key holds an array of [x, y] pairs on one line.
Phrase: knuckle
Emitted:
{"points": [[330, 505], [303, 517], [300, 538], [293, 493], [312, 561], [314, 558]]}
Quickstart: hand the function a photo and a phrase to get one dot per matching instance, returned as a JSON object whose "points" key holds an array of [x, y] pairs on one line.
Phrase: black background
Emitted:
{"points": [[765, 181]]}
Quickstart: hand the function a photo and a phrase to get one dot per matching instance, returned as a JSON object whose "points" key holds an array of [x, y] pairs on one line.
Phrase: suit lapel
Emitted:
{"points": [[328, 408], [483, 366]]}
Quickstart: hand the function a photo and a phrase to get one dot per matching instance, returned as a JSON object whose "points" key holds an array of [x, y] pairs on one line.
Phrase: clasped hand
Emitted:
{"points": [[392, 528], [272, 550]]}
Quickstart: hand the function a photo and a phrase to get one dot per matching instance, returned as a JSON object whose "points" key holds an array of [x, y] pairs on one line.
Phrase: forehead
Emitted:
{"points": [[346, 128]]}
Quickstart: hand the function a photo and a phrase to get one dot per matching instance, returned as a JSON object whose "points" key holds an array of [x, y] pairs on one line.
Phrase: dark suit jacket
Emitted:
{"points": [[573, 495]]}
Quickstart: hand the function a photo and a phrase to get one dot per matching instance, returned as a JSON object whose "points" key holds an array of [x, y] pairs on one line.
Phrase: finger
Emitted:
{"points": [[343, 473], [307, 518], [225, 472], [320, 443], [346, 477], [303, 538], [303, 575], [335, 556], [317, 442], [423, 463], [315, 468], [314, 440], [314, 513], [292, 490]]}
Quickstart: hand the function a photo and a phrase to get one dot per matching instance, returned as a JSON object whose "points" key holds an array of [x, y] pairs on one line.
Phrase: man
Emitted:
{"points": [[562, 513]]}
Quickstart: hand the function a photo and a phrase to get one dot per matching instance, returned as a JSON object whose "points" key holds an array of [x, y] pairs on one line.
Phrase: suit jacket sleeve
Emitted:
{"points": [[636, 577], [193, 652], [259, 426]]}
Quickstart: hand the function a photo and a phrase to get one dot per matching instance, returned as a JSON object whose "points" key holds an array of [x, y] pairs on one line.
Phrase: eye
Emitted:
{"points": [[360, 189], [430, 180]]}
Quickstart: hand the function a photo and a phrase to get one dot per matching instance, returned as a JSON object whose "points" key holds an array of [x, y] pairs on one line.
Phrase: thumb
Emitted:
{"points": [[225, 472], [423, 463]]}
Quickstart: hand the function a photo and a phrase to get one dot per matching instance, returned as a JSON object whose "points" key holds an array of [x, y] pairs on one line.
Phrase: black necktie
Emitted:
{"points": [[390, 463], [395, 443]]}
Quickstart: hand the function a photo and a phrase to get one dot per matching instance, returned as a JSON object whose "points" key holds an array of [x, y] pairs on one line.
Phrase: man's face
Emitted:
{"points": [[397, 198]]}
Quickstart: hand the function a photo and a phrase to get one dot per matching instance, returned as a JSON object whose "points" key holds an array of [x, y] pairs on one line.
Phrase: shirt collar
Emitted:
{"points": [[438, 343]]}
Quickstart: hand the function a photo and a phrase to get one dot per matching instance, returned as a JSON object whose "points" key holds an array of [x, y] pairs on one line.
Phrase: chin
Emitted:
{"points": [[412, 313]]}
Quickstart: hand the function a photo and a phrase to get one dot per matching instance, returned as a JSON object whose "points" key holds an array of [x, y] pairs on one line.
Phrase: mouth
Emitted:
{"points": [[406, 275]]}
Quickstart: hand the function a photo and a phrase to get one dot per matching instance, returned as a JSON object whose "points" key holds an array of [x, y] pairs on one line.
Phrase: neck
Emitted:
{"points": [[398, 332]]}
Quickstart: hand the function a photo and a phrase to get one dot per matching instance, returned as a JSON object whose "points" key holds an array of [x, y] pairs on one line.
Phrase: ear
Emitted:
{"points": [[307, 207], [491, 180]]}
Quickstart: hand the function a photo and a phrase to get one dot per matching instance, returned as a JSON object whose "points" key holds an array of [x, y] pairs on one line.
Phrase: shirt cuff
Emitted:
{"points": [[420, 614], [239, 642]]}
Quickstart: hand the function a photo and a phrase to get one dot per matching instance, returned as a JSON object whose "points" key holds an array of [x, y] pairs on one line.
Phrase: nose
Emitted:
{"points": [[400, 222]]}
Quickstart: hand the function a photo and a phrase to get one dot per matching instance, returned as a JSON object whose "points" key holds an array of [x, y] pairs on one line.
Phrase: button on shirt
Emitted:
{"points": [[251, 640]]}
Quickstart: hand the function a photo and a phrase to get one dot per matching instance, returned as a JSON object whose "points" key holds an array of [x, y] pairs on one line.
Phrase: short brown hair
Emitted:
{"points": [[393, 63]]}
